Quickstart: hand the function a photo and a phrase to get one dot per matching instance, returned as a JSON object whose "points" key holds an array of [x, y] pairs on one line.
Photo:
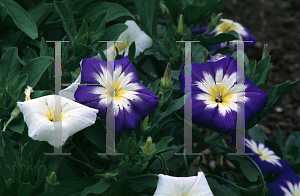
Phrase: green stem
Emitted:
{"points": [[165, 163], [228, 182], [141, 176], [247, 157], [94, 170], [7, 123], [185, 163], [152, 14]]}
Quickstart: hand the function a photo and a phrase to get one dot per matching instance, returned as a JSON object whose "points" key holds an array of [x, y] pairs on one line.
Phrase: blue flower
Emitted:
{"points": [[286, 184], [215, 95], [225, 27], [131, 99], [265, 158]]}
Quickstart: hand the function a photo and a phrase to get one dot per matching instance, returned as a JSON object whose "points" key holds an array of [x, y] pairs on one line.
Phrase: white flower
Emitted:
{"points": [[182, 186], [40, 119], [133, 34]]}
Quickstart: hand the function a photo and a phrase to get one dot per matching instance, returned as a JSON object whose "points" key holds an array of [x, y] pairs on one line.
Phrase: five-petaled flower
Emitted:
{"points": [[287, 183], [132, 34], [226, 26], [131, 99], [265, 158], [215, 95], [41, 116], [183, 186]]}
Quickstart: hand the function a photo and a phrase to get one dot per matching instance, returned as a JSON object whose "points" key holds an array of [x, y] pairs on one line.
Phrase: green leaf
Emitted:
{"points": [[148, 11], [21, 18], [111, 33], [25, 189], [131, 52], [222, 37], [80, 49], [275, 147], [3, 13], [245, 166], [197, 13], [35, 68], [71, 187], [275, 94], [3, 111], [167, 155], [279, 136], [257, 133], [218, 189], [3, 183], [100, 187], [175, 74], [162, 145], [174, 10], [68, 21], [156, 54], [154, 87], [9, 153], [41, 11], [292, 140], [31, 53], [18, 83], [42, 173], [9, 64], [197, 50], [114, 11], [83, 29], [37, 94], [97, 27], [172, 107], [144, 180], [165, 97], [137, 169], [96, 133]]}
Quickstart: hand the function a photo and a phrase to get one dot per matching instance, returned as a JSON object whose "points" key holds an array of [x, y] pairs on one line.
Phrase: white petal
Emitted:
{"points": [[41, 128], [168, 186], [219, 76], [200, 187], [70, 91]]}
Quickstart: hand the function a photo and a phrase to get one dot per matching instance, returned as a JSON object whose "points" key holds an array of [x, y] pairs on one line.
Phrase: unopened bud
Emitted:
{"points": [[149, 146], [265, 51], [163, 8], [145, 124], [15, 113], [180, 25], [166, 81], [51, 181], [27, 92], [217, 19]]}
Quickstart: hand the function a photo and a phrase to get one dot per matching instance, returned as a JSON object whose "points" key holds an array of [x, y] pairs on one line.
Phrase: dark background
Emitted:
{"points": [[276, 23]]}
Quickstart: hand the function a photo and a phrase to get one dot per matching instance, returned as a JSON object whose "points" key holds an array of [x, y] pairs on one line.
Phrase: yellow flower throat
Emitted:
{"points": [[220, 94]]}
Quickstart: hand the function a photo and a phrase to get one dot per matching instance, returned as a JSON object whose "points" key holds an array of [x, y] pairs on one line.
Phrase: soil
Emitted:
{"points": [[276, 23]]}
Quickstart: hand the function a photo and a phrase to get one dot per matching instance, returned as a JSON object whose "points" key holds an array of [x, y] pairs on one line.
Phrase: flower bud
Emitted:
{"points": [[145, 124], [51, 181], [15, 113], [217, 19], [149, 146], [27, 92], [265, 51], [163, 8], [180, 25], [166, 82]]}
